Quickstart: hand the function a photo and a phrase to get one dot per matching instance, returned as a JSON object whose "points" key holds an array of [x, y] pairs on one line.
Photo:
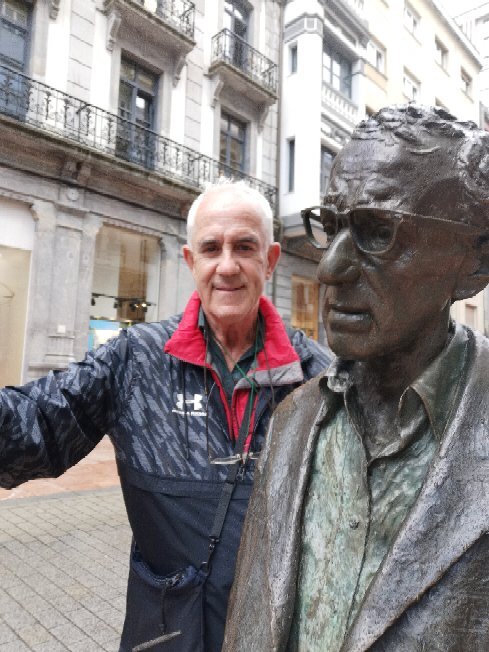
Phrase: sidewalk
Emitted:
{"points": [[63, 561]]}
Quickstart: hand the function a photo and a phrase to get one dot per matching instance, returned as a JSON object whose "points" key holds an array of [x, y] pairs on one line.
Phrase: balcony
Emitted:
{"points": [[179, 14], [72, 121], [164, 25], [243, 68], [344, 108]]}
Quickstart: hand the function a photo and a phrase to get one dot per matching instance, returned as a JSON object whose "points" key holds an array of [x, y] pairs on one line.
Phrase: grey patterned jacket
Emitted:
{"points": [[165, 411]]}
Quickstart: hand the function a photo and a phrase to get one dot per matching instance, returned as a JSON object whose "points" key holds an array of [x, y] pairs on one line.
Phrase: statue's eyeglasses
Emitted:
{"points": [[373, 230]]}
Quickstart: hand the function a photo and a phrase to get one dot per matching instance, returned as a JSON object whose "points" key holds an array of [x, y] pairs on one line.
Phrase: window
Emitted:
{"points": [[441, 54], [327, 158], [16, 243], [293, 58], [466, 82], [125, 282], [376, 56], [471, 315], [410, 87], [137, 95], [232, 149], [291, 159], [236, 20], [14, 33], [305, 301], [237, 17], [411, 19], [337, 70]]}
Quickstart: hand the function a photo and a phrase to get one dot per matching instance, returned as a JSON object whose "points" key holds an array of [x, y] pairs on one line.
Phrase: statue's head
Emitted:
{"points": [[406, 228]]}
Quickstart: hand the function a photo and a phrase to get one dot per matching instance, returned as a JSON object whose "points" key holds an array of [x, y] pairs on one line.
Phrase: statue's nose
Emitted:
{"points": [[339, 263]]}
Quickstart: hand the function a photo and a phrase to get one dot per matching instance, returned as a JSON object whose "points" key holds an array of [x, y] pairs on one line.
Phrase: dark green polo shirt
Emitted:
{"points": [[218, 361]]}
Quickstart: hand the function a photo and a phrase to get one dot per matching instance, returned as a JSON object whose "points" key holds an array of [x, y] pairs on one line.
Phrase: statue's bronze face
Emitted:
{"points": [[385, 287]]}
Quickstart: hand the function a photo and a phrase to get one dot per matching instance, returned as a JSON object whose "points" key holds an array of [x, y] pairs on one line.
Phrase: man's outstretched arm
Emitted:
{"points": [[50, 424]]}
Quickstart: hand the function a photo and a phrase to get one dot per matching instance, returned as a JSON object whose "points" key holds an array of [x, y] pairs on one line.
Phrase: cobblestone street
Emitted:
{"points": [[63, 569]]}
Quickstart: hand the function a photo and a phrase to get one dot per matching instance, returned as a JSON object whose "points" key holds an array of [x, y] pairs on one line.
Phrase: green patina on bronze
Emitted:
{"points": [[358, 499], [368, 527]]}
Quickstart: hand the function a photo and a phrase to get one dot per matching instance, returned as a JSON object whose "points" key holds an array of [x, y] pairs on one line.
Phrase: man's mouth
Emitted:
{"points": [[350, 318]]}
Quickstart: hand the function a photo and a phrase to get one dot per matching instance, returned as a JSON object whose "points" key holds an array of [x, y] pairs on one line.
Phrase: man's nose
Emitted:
{"points": [[228, 263], [339, 263]]}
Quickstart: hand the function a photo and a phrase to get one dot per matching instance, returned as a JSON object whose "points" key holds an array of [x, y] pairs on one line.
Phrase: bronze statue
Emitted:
{"points": [[368, 526]]}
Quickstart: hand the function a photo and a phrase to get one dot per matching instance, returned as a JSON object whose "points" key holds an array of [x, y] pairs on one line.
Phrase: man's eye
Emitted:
{"points": [[382, 232], [209, 249]]}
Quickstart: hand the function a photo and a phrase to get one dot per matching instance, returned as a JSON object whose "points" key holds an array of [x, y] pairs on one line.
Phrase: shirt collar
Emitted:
{"points": [[206, 330], [436, 387]]}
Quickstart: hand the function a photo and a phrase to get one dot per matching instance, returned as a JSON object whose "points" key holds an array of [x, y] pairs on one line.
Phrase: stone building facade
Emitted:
{"points": [[113, 116], [342, 60]]}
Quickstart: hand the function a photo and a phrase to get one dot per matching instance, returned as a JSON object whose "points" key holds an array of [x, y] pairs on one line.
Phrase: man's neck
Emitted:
{"points": [[234, 339], [380, 382]]}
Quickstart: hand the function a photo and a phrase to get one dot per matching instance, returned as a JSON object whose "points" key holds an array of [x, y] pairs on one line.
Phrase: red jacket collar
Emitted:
{"points": [[188, 343]]}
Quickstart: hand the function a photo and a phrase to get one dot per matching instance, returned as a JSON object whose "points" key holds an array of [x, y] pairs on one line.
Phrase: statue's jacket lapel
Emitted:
{"points": [[450, 514]]}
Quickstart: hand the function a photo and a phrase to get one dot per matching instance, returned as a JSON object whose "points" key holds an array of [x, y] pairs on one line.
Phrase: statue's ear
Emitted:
{"points": [[471, 283]]}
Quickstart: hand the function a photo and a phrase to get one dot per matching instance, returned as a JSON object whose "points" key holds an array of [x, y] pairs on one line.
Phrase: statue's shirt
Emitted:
{"points": [[356, 502]]}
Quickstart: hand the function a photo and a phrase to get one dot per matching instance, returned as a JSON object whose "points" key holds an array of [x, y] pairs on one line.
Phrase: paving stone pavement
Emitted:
{"points": [[63, 572]]}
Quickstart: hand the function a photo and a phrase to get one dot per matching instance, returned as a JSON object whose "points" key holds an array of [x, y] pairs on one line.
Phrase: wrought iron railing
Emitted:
{"points": [[232, 49], [179, 13], [71, 119]]}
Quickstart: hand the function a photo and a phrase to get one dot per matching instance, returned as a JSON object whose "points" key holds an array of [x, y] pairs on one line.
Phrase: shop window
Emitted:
{"points": [[305, 302], [125, 282], [16, 242], [232, 149], [14, 277]]}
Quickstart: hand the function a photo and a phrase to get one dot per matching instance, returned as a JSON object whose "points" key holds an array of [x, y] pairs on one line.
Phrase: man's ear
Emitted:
{"points": [[273, 255], [188, 257], [473, 281]]}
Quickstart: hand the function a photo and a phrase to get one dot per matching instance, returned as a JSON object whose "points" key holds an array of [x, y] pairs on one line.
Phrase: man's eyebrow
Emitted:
{"points": [[207, 241], [248, 238], [244, 239]]}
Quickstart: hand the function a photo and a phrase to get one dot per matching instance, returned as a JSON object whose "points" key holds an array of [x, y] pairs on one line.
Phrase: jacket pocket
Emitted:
{"points": [[164, 613]]}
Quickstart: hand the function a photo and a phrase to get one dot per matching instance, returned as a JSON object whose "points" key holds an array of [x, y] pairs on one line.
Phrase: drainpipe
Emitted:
{"points": [[281, 4]]}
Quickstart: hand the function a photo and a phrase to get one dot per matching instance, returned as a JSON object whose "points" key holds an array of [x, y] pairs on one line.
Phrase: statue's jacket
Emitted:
{"points": [[432, 589]]}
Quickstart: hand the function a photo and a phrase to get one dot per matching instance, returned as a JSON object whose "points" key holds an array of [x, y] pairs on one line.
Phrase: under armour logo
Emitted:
{"points": [[196, 401]]}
